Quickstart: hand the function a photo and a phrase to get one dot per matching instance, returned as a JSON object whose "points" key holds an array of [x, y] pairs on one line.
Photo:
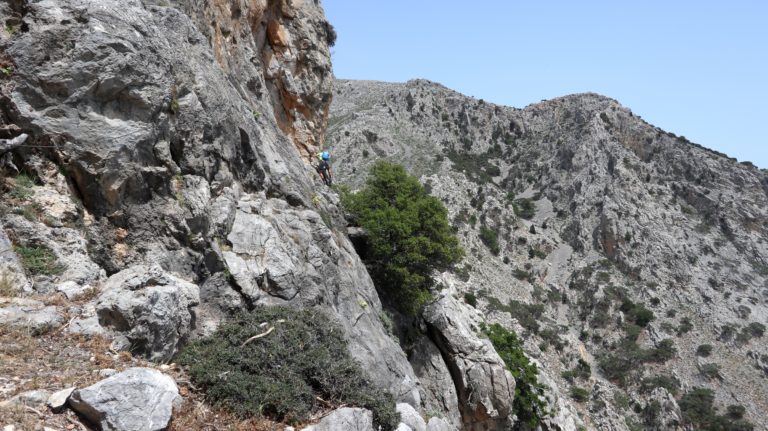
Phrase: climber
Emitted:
{"points": [[324, 168]]}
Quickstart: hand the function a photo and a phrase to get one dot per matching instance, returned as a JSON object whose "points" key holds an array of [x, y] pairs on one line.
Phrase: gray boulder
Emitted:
{"points": [[486, 389], [150, 307], [138, 399], [29, 313], [440, 424], [345, 419], [410, 417]]}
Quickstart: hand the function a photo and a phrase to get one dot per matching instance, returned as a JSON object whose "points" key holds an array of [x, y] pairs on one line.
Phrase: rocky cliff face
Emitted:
{"points": [[164, 181], [606, 241]]}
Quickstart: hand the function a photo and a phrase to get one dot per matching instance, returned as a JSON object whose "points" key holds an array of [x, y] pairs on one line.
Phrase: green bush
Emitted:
{"points": [[579, 394], [408, 235], [704, 350], [281, 375], [710, 370], [470, 299], [490, 238], [39, 260], [637, 313], [528, 404], [525, 208], [699, 412], [670, 383]]}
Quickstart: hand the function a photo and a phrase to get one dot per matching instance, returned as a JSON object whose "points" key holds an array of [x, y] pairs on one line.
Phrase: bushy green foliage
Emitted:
{"points": [[579, 394], [408, 235], [39, 260], [699, 412], [670, 383], [582, 370], [490, 238], [637, 313], [470, 299], [627, 358], [525, 208], [280, 374], [528, 405], [704, 350]]}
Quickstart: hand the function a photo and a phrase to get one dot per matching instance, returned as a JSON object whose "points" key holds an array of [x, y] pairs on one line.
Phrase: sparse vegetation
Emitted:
{"points": [[528, 404], [699, 412], [301, 356], [22, 187], [525, 208], [39, 260], [490, 238], [470, 299], [579, 394]]}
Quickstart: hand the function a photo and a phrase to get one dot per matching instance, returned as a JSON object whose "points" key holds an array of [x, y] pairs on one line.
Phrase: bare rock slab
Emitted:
{"points": [[138, 399], [345, 419]]}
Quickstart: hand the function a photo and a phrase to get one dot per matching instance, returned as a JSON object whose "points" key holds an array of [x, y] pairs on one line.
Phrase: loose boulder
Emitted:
{"points": [[138, 399], [150, 307], [345, 419]]}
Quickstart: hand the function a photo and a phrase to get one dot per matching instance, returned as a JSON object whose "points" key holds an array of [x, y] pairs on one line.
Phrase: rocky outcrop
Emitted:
{"points": [[138, 399], [150, 307], [345, 418], [180, 134], [485, 388], [29, 313]]}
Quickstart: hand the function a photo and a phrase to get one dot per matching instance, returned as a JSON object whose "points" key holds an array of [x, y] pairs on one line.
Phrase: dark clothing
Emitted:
{"points": [[324, 169]]}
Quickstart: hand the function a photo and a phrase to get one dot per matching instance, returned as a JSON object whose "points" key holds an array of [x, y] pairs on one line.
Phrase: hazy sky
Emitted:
{"points": [[694, 68]]}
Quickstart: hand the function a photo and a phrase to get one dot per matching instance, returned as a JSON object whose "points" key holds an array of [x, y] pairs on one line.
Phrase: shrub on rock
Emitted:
{"points": [[280, 362], [409, 236]]}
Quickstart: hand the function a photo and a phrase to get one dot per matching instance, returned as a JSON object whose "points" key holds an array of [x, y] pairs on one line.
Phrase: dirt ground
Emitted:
{"points": [[58, 360]]}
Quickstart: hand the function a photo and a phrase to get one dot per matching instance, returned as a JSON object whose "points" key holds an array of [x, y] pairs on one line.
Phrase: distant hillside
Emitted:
{"points": [[606, 241]]}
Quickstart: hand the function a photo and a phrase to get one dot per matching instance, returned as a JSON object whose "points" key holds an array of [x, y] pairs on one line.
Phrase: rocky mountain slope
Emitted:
{"points": [[634, 262], [155, 180]]}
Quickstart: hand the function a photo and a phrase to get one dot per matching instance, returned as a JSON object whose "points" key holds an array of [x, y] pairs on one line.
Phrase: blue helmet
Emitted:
{"points": [[325, 155]]}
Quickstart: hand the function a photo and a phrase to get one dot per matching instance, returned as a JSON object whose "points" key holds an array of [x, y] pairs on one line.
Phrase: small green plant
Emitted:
{"points": [[710, 371], [22, 187], [470, 299], [579, 395], [525, 208], [528, 404], [7, 70], [670, 383], [704, 350], [279, 370], [39, 260], [174, 107], [11, 29], [490, 238], [582, 370]]}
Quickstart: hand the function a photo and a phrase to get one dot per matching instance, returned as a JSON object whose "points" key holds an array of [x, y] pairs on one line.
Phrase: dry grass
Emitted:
{"points": [[60, 360]]}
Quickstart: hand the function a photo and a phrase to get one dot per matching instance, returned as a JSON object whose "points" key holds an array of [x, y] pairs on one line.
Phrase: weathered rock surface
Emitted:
{"points": [[345, 419], [58, 400], [410, 417], [138, 399], [29, 313], [152, 308], [484, 386]]}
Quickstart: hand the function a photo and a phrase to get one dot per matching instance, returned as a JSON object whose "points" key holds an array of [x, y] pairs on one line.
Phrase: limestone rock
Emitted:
{"points": [[33, 398], [151, 307], [486, 389], [58, 400], [29, 313], [410, 417], [345, 418], [138, 399]]}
